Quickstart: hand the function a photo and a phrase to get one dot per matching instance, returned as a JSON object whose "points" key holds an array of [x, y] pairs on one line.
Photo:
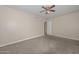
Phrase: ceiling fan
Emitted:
{"points": [[48, 9]]}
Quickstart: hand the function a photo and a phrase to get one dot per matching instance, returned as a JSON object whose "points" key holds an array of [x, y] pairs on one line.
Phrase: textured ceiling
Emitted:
{"points": [[60, 9]]}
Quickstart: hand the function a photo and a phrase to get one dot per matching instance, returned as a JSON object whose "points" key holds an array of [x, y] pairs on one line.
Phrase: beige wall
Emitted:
{"points": [[66, 26], [17, 25]]}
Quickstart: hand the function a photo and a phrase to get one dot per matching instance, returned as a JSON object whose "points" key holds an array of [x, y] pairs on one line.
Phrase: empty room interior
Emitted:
{"points": [[39, 29]]}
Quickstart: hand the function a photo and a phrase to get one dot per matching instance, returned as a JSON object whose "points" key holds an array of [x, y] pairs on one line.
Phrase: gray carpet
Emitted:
{"points": [[43, 45]]}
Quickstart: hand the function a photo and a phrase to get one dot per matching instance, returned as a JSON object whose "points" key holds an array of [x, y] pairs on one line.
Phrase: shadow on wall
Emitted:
{"points": [[45, 28]]}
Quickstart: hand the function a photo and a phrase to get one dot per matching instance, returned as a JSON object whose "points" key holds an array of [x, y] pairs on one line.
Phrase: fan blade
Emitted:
{"points": [[52, 10], [44, 7], [46, 12], [52, 6]]}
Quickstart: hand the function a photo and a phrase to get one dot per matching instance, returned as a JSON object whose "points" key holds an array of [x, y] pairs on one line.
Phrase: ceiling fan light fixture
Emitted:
{"points": [[48, 9]]}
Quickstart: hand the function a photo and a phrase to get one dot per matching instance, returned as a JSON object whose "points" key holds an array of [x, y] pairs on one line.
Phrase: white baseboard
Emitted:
{"points": [[19, 40], [63, 36]]}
